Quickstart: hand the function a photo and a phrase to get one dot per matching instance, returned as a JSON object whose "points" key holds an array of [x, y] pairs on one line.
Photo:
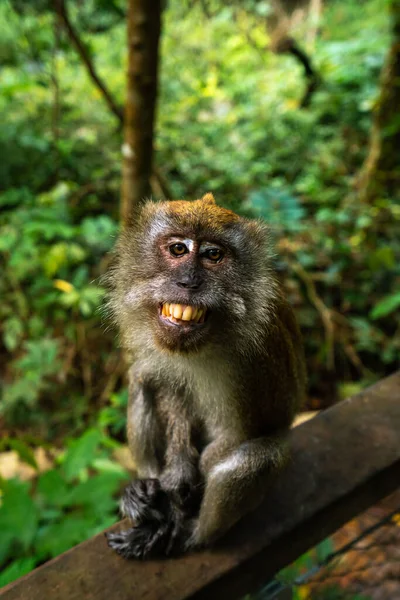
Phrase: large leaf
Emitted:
{"points": [[55, 538], [81, 453], [386, 306], [18, 513], [16, 569], [52, 488], [13, 331], [97, 493]]}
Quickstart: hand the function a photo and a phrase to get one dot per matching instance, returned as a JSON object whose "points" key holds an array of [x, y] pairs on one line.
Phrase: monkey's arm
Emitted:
{"points": [[181, 475], [236, 482], [160, 436], [168, 492], [238, 469]]}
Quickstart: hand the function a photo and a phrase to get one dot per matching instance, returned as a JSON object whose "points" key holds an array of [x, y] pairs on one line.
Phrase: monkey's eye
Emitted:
{"points": [[214, 254], [178, 249]]}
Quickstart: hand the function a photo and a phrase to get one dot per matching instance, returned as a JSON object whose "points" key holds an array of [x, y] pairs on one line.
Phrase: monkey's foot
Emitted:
{"points": [[140, 542], [144, 500], [149, 540], [160, 527]]}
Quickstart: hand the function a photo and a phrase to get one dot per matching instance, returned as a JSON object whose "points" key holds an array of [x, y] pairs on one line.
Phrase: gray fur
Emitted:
{"points": [[209, 410]]}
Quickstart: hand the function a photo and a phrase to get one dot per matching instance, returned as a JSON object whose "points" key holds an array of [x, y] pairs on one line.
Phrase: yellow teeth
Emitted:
{"points": [[187, 314], [181, 312], [178, 310]]}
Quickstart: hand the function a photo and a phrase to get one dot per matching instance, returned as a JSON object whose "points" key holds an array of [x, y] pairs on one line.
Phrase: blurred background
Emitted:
{"points": [[286, 111]]}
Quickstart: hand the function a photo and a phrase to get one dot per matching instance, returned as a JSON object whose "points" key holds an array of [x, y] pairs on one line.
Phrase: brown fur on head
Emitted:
{"points": [[233, 289]]}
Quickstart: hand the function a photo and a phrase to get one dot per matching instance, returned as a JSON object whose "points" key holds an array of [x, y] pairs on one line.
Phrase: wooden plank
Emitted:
{"points": [[345, 459]]}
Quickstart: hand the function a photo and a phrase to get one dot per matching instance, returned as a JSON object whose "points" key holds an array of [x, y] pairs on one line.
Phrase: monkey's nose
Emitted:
{"points": [[190, 282]]}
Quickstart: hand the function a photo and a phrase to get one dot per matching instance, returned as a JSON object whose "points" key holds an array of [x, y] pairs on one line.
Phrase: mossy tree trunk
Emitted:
{"points": [[144, 27], [380, 174]]}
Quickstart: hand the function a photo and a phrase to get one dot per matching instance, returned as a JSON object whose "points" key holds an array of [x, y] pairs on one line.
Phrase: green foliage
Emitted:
{"points": [[386, 306], [81, 453], [278, 206], [16, 569], [113, 416], [49, 295], [67, 504], [230, 121], [247, 140]]}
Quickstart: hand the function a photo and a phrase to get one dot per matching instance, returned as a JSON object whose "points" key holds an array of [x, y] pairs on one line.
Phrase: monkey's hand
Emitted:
{"points": [[159, 523], [184, 486]]}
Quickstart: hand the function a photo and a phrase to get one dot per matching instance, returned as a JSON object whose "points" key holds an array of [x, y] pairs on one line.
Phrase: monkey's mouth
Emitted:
{"points": [[182, 314]]}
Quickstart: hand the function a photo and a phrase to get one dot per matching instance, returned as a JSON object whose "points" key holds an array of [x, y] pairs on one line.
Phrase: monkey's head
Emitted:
{"points": [[186, 272]]}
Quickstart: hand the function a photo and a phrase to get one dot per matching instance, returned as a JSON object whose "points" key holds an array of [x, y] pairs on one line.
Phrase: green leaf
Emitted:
{"points": [[90, 299], [6, 546], [97, 493], [60, 255], [382, 258], [55, 538], [40, 357], [18, 513], [324, 549], [52, 488], [16, 569], [98, 232], [277, 205], [105, 465], [13, 331], [81, 453], [386, 306]]}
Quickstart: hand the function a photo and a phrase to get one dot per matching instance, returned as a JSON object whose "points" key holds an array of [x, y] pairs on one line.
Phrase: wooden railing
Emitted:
{"points": [[344, 460]]}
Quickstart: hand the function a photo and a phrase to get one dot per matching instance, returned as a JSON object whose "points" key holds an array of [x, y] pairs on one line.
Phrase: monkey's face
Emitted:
{"points": [[188, 271], [191, 271]]}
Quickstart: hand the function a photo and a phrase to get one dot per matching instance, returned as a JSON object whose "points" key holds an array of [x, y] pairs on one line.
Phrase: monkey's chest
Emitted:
{"points": [[214, 404]]}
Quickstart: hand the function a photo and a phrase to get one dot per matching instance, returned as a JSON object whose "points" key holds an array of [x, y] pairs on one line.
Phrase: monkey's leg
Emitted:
{"points": [[235, 484]]}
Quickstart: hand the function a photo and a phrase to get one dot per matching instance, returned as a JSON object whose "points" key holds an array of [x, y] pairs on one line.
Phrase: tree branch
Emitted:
{"points": [[290, 46], [158, 184], [87, 61], [324, 311]]}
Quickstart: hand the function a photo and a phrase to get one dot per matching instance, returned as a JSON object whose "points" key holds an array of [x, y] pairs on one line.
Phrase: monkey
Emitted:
{"points": [[216, 372]]}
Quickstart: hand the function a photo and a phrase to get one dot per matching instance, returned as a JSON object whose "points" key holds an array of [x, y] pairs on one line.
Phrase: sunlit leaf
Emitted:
{"points": [[62, 285], [13, 330], [18, 513], [81, 453], [52, 488], [16, 569], [386, 306]]}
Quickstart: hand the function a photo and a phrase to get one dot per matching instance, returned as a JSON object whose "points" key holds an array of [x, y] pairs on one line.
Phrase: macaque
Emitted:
{"points": [[216, 377]]}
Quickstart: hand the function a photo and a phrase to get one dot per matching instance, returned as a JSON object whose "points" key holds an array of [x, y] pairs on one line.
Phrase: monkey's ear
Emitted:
{"points": [[208, 198]]}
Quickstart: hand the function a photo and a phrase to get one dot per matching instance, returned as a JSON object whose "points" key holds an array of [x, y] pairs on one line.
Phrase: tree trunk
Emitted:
{"points": [[380, 174], [144, 26]]}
